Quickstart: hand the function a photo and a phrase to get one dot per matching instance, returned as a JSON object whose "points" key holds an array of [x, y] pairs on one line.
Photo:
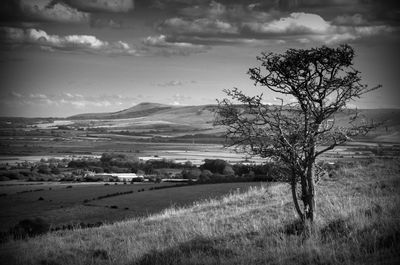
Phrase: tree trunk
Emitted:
{"points": [[293, 185], [310, 198]]}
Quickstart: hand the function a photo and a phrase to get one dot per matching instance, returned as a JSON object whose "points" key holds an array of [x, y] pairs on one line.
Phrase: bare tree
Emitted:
{"points": [[321, 82]]}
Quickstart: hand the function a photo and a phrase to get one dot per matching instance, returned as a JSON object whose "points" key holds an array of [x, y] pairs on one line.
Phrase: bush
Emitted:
{"points": [[214, 165], [137, 180], [205, 175], [4, 178], [12, 175], [55, 170], [30, 227], [191, 173], [157, 180], [228, 170], [43, 169]]}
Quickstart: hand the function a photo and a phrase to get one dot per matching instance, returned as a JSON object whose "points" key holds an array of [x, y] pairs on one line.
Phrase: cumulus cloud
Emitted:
{"points": [[99, 13], [85, 43], [44, 10], [252, 23], [162, 45], [313, 27], [100, 5], [345, 34], [296, 23], [297, 26], [201, 26]]}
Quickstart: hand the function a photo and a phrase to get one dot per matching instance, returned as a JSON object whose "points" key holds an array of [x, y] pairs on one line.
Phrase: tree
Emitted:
{"points": [[320, 82]]}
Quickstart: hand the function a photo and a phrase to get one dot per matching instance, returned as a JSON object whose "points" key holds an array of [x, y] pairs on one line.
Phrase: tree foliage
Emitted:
{"points": [[321, 82]]}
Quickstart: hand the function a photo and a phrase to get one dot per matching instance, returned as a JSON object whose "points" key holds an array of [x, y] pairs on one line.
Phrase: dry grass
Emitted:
{"points": [[358, 223]]}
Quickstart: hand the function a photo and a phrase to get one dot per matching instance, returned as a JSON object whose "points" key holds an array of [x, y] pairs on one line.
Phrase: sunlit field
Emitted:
{"points": [[357, 223]]}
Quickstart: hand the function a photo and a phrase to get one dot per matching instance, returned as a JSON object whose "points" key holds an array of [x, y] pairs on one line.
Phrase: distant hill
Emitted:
{"points": [[140, 110], [148, 115], [188, 118]]}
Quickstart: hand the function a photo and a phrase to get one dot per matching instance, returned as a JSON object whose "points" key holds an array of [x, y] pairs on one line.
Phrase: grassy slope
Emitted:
{"points": [[358, 223], [188, 118]]}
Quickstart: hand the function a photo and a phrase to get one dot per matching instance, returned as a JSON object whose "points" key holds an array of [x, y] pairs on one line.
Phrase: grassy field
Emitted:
{"points": [[69, 203], [358, 223]]}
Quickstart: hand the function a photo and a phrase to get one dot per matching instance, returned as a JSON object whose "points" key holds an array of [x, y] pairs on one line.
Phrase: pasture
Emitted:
{"points": [[61, 204], [358, 213]]}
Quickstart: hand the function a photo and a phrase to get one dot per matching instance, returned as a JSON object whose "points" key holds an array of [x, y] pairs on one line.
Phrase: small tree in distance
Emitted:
{"points": [[322, 82]]}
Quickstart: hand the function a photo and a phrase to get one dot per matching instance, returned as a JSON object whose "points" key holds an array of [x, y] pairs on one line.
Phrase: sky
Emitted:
{"points": [[64, 57]]}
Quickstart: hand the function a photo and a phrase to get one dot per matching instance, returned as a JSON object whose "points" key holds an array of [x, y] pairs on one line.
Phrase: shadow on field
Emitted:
{"points": [[193, 251]]}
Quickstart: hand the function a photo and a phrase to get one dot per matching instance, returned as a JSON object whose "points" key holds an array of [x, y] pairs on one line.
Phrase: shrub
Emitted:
{"points": [[30, 227], [214, 165], [228, 170], [12, 175], [43, 169], [55, 170], [191, 173], [4, 178]]}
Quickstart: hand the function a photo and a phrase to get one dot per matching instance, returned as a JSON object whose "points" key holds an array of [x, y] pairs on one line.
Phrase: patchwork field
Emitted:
{"points": [[61, 204], [357, 223]]}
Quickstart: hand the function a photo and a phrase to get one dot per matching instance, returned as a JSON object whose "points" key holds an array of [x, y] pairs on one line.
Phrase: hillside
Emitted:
{"points": [[189, 119], [357, 224], [140, 110]]}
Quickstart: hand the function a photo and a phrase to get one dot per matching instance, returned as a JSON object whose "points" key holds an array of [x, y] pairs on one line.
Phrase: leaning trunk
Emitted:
{"points": [[293, 185], [310, 196]]}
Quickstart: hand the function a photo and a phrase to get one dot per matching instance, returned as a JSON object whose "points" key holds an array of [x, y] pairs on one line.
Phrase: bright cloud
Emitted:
{"points": [[73, 100], [101, 5], [294, 24], [198, 26], [39, 38], [44, 10], [231, 23]]}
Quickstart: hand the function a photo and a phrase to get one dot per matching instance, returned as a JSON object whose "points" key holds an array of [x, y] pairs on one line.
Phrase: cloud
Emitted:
{"points": [[40, 96], [15, 94], [85, 43], [313, 27], [246, 22], [162, 45], [73, 100], [171, 83], [201, 26], [179, 99], [298, 26], [117, 6], [296, 23], [342, 34], [100, 22], [65, 11], [352, 20], [38, 10]]}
